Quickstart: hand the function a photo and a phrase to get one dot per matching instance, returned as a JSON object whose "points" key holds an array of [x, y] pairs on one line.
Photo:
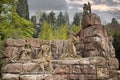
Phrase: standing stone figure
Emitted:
{"points": [[87, 9], [26, 52], [45, 57], [71, 49]]}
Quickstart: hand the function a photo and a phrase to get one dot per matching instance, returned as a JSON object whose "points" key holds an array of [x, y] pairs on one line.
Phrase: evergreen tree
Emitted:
{"points": [[114, 22], [22, 9], [66, 18], [60, 19], [11, 24], [52, 19], [36, 27], [76, 19], [43, 17]]}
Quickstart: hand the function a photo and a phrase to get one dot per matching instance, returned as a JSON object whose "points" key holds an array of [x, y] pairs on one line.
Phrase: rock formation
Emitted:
{"points": [[97, 61], [94, 39]]}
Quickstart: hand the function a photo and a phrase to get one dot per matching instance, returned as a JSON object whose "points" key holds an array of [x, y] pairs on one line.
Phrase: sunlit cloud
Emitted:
{"points": [[79, 1], [116, 0], [104, 7]]}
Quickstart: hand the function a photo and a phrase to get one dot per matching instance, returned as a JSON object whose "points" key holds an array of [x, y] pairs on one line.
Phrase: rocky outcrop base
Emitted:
{"points": [[93, 68]]}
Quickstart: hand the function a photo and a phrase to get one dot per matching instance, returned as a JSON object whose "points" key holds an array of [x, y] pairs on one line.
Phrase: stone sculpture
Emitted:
{"points": [[98, 60], [24, 54], [87, 9], [71, 49], [45, 57]]}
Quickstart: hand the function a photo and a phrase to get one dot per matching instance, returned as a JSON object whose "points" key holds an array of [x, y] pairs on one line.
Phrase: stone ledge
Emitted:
{"points": [[9, 76]]}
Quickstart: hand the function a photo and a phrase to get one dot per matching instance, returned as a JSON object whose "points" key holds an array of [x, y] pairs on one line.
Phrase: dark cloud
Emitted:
{"points": [[47, 4]]}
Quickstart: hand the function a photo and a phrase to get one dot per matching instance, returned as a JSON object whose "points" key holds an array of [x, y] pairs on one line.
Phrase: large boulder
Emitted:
{"points": [[90, 20]]}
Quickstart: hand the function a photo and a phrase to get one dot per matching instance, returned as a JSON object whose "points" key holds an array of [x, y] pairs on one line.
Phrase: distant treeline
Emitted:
{"points": [[57, 27]]}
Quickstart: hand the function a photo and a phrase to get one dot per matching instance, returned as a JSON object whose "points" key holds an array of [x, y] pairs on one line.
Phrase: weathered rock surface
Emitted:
{"points": [[8, 76], [90, 20], [97, 59]]}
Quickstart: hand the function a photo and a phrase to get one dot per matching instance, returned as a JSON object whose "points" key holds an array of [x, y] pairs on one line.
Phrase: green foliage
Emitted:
{"points": [[76, 19], [62, 32], [43, 17], [75, 28], [1, 51], [60, 19], [52, 19], [116, 45], [11, 24], [46, 32], [113, 29]]}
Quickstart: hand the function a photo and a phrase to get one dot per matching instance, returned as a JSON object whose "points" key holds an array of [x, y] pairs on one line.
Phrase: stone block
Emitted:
{"points": [[113, 73], [29, 67], [60, 77], [90, 53], [84, 61], [90, 20], [12, 68], [34, 42], [62, 69], [9, 76], [15, 42], [98, 61], [10, 51], [102, 72], [69, 62], [90, 46], [113, 63], [36, 77], [93, 31]]}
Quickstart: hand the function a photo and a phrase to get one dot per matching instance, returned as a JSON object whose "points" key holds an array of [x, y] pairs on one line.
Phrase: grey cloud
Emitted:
{"points": [[75, 5], [107, 2], [116, 14], [47, 4]]}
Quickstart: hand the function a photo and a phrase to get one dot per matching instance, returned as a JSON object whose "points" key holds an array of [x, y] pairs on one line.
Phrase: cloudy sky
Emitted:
{"points": [[106, 9]]}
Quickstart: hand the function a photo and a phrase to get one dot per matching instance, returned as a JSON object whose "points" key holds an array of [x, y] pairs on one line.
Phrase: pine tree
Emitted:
{"points": [[52, 19], [60, 19], [22, 9], [114, 22], [43, 17], [76, 19], [67, 18], [11, 24]]}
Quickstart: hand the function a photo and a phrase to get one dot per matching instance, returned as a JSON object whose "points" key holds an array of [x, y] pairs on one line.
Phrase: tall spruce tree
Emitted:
{"points": [[60, 19], [66, 18], [52, 19], [11, 24], [43, 18], [22, 9], [76, 19]]}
